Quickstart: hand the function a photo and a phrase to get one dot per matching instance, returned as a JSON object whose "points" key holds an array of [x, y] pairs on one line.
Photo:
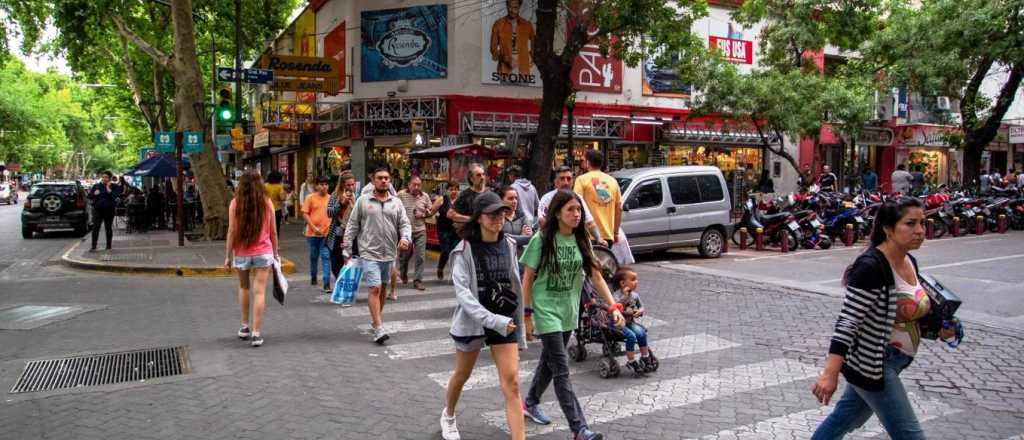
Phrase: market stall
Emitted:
{"points": [[438, 165]]}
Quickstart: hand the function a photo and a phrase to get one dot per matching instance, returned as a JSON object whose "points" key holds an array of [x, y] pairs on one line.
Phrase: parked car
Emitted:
{"points": [[54, 205], [669, 207], [8, 193]]}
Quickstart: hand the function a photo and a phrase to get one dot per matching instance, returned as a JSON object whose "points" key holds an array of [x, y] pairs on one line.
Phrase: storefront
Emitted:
{"points": [[926, 148], [269, 147], [737, 153]]}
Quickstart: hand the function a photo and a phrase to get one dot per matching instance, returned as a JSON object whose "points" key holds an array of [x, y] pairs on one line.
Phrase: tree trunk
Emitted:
{"points": [[548, 128], [189, 109], [978, 133]]}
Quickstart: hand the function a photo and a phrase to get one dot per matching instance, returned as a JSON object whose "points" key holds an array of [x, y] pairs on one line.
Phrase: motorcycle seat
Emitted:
{"points": [[774, 218]]}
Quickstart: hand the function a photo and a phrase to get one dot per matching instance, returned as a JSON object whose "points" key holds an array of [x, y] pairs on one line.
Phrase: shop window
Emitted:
{"points": [[710, 188], [647, 195], [684, 190]]}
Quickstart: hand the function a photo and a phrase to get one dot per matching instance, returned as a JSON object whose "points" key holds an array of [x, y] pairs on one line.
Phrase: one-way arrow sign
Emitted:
{"points": [[225, 74]]}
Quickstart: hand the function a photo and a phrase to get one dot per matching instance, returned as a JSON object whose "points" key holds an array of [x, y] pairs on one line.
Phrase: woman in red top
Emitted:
{"points": [[251, 248]]}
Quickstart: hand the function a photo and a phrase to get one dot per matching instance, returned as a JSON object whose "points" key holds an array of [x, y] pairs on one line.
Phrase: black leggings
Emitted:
{"points": [[103, 217], [337, 260]]}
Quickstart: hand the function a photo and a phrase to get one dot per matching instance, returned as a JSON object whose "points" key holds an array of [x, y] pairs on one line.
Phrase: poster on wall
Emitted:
{"points": [[661, 79], [305, 43], [507, 42], [334, 47], [407, 43], [592, 72]]}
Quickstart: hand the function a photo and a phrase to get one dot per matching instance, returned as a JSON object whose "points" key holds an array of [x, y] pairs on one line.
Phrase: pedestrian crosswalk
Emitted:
{"points": [[424, 339], [664, 349], [802, 424]]}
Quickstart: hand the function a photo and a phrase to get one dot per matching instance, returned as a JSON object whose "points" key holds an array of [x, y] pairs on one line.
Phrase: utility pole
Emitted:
{"points": [[238, 62]]}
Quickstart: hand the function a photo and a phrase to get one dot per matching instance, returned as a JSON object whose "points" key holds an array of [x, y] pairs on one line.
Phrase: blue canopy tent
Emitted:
{"points": [[161, 165]]}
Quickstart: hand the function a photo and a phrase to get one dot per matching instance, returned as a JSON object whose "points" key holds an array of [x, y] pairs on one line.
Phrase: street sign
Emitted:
{"points": [[223, 142], [164, 141], [329, 86], [225, 74], [192, 142], [257, 76]]}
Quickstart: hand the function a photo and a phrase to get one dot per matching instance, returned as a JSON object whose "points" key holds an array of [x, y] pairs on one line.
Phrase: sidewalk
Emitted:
{"points": [[157, 253]]}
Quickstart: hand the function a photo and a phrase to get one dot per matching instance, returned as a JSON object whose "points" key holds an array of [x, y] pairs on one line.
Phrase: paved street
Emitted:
{"points": [[738, 356]]}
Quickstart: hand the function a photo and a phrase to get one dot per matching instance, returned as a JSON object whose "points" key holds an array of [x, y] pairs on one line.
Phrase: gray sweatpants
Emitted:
{"points": [[554, 364], [416, 252]]}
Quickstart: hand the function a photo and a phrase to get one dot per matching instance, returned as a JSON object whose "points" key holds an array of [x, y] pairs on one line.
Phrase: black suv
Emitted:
{"points": [[55, 205]]}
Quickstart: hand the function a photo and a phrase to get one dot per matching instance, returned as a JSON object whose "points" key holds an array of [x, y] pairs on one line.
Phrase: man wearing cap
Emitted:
{"points": [[380, 224]]}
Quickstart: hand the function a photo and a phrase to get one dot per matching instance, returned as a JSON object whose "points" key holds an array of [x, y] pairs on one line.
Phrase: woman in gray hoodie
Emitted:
{"points": [[488, 312]]}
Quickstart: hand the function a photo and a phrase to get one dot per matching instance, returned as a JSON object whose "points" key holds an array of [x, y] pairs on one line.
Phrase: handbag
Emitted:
{"points": [[943, 304], [280, 283], [347, 285], [503, 299]]}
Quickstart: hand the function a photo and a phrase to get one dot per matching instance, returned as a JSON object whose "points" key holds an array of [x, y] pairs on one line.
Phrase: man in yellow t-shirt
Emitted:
{"points": [[275, 190], [601, 194]]}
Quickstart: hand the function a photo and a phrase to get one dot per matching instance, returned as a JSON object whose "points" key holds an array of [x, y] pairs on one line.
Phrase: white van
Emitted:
{"points": [[669, 207]]}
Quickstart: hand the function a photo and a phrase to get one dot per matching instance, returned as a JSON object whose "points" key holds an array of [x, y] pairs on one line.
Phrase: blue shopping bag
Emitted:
{"points": [[348, 282]]}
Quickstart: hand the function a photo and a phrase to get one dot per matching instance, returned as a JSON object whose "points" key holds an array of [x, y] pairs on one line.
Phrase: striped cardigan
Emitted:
{"points": [[864, 326]]}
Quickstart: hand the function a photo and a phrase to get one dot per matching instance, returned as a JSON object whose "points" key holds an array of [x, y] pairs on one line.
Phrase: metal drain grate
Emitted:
{"points": [[102, 369]]}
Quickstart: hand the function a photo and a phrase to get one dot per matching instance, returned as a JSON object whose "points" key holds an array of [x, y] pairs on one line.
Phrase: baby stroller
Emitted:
{"points": [[595, 328]]}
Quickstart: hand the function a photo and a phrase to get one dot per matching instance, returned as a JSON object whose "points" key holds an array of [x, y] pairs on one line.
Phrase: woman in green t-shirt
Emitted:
{"points": [[556, 260]]}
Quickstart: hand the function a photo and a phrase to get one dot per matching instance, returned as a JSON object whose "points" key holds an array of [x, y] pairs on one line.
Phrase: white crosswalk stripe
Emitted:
{"points": [[440, 347], [408, 326], [802, 424], [671, 393], [402, 293], [398, 307], [664, 349]]}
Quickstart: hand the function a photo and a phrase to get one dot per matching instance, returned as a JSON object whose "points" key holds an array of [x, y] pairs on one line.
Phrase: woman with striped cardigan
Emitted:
{"points": [[877, 332]]}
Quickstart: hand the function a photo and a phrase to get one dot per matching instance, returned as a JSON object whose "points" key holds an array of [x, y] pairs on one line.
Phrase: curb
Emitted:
{"points": [[287, 266]]}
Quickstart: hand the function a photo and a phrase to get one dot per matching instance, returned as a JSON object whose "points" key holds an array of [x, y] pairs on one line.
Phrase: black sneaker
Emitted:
{"points": [[257, 340], [650, 363], [638, 370], [379, 336], [312, 281], [244, 332]]}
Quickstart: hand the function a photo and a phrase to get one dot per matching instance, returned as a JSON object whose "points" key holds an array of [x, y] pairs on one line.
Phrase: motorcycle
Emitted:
{"points": [[772, 226]]}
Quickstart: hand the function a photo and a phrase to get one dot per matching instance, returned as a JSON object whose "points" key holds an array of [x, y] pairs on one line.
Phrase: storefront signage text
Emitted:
{"points": [[407, 43], [1017, 134], [285, 65], [329, 86], [736, 51], [876, 136], [925, 137]]}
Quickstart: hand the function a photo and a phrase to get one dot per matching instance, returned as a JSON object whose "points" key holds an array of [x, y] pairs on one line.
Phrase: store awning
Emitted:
{"points": [[446, 150], [161, 165], [711, 135]]}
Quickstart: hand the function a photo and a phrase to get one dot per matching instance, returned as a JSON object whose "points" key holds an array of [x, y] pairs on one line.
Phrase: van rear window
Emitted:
{"points": [[695, 189]]}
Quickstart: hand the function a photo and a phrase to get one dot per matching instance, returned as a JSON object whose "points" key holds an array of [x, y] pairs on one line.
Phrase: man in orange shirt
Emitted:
{"points": [[511, 39], [314, 211]]}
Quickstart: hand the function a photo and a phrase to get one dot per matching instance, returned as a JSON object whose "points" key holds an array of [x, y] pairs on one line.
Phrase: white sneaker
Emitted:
{"points": [[379, 335], [448, 429]]}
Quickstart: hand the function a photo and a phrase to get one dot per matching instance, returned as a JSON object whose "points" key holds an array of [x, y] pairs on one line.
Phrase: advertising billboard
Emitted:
{"points": [[661, 79], [334, 47], [407, 43], [507, 42]]}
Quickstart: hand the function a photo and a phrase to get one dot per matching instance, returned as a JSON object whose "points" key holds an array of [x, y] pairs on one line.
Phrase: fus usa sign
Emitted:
{"points": [[734, 50]]}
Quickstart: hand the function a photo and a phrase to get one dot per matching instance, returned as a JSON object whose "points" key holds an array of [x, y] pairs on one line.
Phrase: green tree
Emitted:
{"points": [[631, 29], [949, 48]]}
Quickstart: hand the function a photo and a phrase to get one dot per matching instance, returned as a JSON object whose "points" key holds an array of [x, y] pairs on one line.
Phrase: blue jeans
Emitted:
{"points": [[318, 251], [634, 334], [890, 405]]}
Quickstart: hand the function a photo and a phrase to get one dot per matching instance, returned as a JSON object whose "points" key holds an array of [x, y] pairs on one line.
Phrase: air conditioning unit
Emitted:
{"points": [[942, 103]]}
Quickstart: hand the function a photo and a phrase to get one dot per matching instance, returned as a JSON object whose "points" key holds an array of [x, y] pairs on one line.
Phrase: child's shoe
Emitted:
{"points": [[637, 368]]}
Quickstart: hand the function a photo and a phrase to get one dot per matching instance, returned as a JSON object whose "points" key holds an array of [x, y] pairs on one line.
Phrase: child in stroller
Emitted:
{"points": [[596, 326]]}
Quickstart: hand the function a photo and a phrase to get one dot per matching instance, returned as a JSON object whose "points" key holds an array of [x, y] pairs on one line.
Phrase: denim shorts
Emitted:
{"points": [[254, 261], [376, 273]]}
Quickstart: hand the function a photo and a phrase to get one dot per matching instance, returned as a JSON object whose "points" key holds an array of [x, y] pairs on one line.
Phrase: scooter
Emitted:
{"points": [[772, 226]]}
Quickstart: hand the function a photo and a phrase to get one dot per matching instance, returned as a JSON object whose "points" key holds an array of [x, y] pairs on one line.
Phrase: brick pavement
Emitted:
{"points": [[744, 370]]}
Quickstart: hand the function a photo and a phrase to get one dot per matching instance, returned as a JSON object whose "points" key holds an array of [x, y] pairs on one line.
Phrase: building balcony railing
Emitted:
{"points": [[501, 124]]}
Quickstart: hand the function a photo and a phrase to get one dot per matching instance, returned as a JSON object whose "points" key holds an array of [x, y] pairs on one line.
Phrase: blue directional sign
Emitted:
{"points": [[258, 76], [226, 74], [164, 141], [192, 142], [223, 142]]}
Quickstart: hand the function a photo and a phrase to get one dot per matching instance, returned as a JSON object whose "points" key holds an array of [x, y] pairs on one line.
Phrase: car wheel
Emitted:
{"points": [[26, 232], [711, 243]]}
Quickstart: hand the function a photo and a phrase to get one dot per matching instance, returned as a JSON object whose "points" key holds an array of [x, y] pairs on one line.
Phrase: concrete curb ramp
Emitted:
{"points": [[181, 271]]}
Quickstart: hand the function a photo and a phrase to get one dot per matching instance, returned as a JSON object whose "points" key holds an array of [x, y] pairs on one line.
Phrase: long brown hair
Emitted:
{"points": [[250, 209], [548, 253]]}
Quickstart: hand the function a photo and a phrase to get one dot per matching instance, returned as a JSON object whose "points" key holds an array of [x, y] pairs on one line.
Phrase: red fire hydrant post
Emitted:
{"points": [[1002, 223], [955, 229], [979, 225], [848, 239], [759, 239], [743, 239], [784, 240], [929, 229]]}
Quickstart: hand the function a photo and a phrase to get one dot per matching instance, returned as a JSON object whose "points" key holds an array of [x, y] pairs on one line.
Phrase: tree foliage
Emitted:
{"points": [[630, 29], [949, 48]]}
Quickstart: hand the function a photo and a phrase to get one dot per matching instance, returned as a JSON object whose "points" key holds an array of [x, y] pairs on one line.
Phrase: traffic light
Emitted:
{"points": [[225, 110], [237, 139]]}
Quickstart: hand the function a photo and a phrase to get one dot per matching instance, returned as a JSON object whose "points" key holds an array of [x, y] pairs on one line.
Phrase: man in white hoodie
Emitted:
{"points": [[528, 198]]}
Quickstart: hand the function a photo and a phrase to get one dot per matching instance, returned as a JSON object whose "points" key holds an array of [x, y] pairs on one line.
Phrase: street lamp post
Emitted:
{"points": [[570, 104]]}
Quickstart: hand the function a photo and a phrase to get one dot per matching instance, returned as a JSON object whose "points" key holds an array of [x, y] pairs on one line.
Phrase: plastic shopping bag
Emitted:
{"points": [[348, 282], [280, 282]]}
